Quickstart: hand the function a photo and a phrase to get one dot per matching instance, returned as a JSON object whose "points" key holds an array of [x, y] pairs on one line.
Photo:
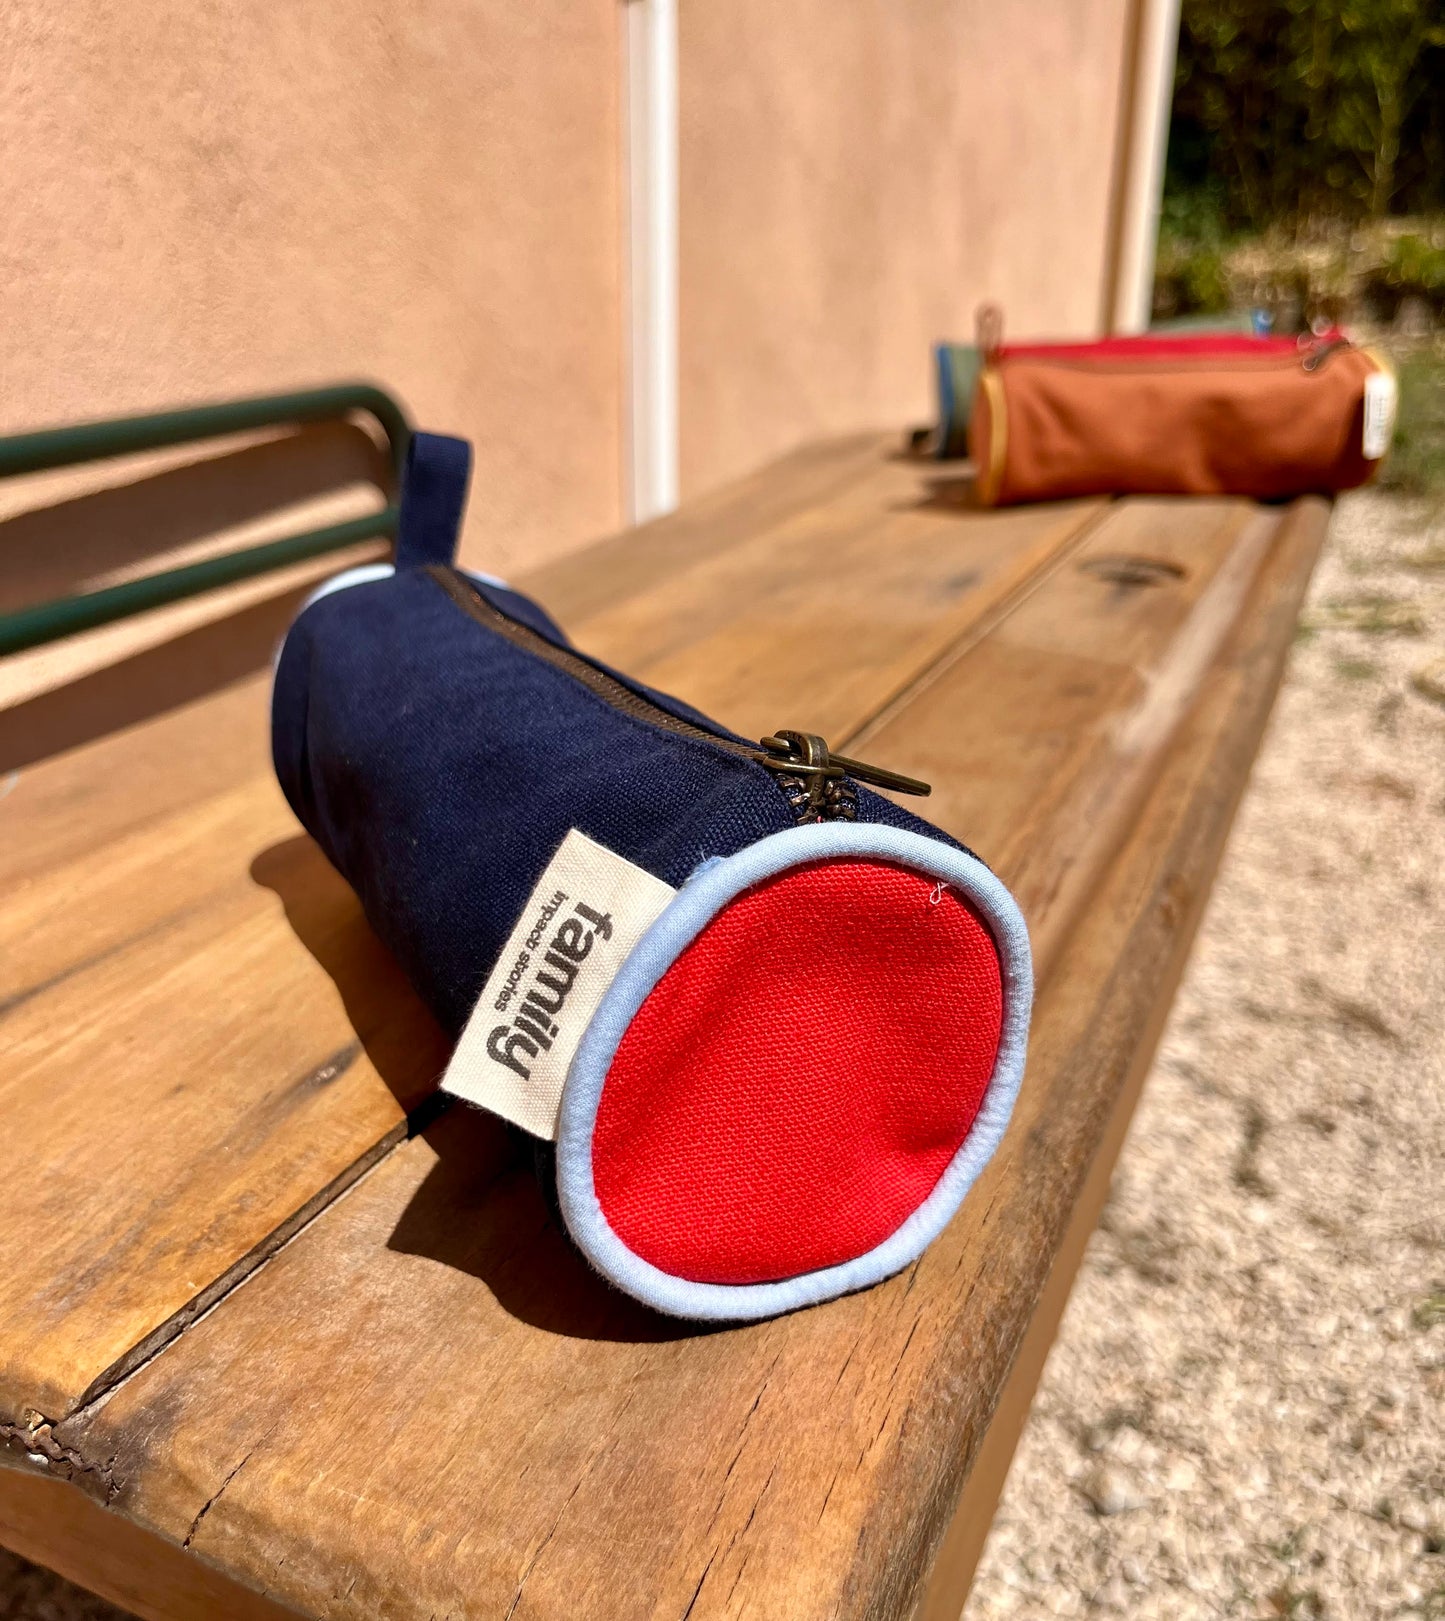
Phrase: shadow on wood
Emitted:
{"points": [[81, 688], [402, 1040], [80, 544], [480, 1210], [148, 683], [955, 493]]}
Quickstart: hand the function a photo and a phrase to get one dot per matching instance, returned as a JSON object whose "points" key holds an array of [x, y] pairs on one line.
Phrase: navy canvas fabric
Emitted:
{"points": [[439, 765]]}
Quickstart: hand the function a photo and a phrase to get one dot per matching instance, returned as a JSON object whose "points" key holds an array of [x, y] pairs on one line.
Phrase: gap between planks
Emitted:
{"points": [[894, 705], [32, 1429]]}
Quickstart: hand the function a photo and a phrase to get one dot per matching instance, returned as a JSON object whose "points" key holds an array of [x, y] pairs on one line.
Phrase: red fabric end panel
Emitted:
{"points": [[800, 1078]]}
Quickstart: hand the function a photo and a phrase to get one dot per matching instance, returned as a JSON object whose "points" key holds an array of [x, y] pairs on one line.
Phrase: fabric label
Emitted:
{"points": [[589, 909], [1380, 397]]}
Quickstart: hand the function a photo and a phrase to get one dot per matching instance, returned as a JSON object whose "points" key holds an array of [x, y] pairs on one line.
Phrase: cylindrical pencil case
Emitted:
{"points": [[956, 367], [1208, 414], [775, 1023]]}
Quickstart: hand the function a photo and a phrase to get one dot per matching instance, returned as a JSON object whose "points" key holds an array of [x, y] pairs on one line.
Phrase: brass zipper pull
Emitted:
{"points": [[880, 777], [806, 755], [1315, 352]]}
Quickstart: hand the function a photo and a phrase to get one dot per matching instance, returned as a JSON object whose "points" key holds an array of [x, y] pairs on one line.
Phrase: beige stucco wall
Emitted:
{"points": [[206, 199], [209, 199], [855, 177]]}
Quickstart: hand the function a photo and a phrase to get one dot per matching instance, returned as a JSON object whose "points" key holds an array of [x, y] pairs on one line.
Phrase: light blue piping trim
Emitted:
{"points": [[365, 573], [696, 903], [362, 574]]}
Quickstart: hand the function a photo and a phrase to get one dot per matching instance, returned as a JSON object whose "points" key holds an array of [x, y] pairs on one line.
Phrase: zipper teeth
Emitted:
{"points": [[607, 687], [1158, 349], [1125, 364]]}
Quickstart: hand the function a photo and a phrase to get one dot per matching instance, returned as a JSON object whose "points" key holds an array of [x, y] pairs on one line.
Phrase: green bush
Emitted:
{"points": [[1306, 176], [1190, 278], [1292, 112], [1416, 464], [1414, 264], [1336, 272]]}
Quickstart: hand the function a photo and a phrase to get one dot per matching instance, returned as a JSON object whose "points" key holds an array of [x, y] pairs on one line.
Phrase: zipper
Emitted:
{"points": [[1311, 349], [1211, 345], [1314, 357], [1124, 356], [816, 782]]}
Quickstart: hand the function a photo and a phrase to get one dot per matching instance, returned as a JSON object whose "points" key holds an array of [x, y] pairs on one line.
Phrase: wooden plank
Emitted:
{"points": [[76, 802], [819, 622], [173, 1125], [48, 1522], [633, 559], [1236, 695], [487, 1430], [961, 1546], [1058, 719], [206, 1042], [39, 687]]}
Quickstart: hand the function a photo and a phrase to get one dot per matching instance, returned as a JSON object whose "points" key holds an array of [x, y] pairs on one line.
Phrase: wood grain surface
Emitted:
{"points": [[419, 1402], [1173, 845], [203, 1037]]}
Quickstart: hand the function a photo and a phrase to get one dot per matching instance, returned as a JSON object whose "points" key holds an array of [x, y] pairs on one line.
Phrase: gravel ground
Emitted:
{"points": [[1244, 1414], [28, 1593]]}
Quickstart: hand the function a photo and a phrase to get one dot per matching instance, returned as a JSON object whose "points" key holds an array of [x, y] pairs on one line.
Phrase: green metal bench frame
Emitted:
{"points": [[97, 441]]}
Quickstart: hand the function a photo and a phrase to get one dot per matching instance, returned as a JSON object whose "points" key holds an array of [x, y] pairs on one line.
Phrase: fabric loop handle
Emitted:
{"points": [[433, 498]]}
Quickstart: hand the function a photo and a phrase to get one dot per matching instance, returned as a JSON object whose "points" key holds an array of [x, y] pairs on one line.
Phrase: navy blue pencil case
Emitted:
{"points": [[786, 1083]]}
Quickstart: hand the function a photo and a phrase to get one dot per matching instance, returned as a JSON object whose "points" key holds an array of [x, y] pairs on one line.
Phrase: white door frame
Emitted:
{"points": [[1151, 51], [650, 200]]}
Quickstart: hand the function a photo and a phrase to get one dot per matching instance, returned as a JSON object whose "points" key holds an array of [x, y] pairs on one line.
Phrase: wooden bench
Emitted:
{"points": [[262, 1352]]}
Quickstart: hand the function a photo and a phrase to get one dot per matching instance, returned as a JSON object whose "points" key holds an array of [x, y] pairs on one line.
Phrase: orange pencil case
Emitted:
{"points": [[1204, 414]]}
